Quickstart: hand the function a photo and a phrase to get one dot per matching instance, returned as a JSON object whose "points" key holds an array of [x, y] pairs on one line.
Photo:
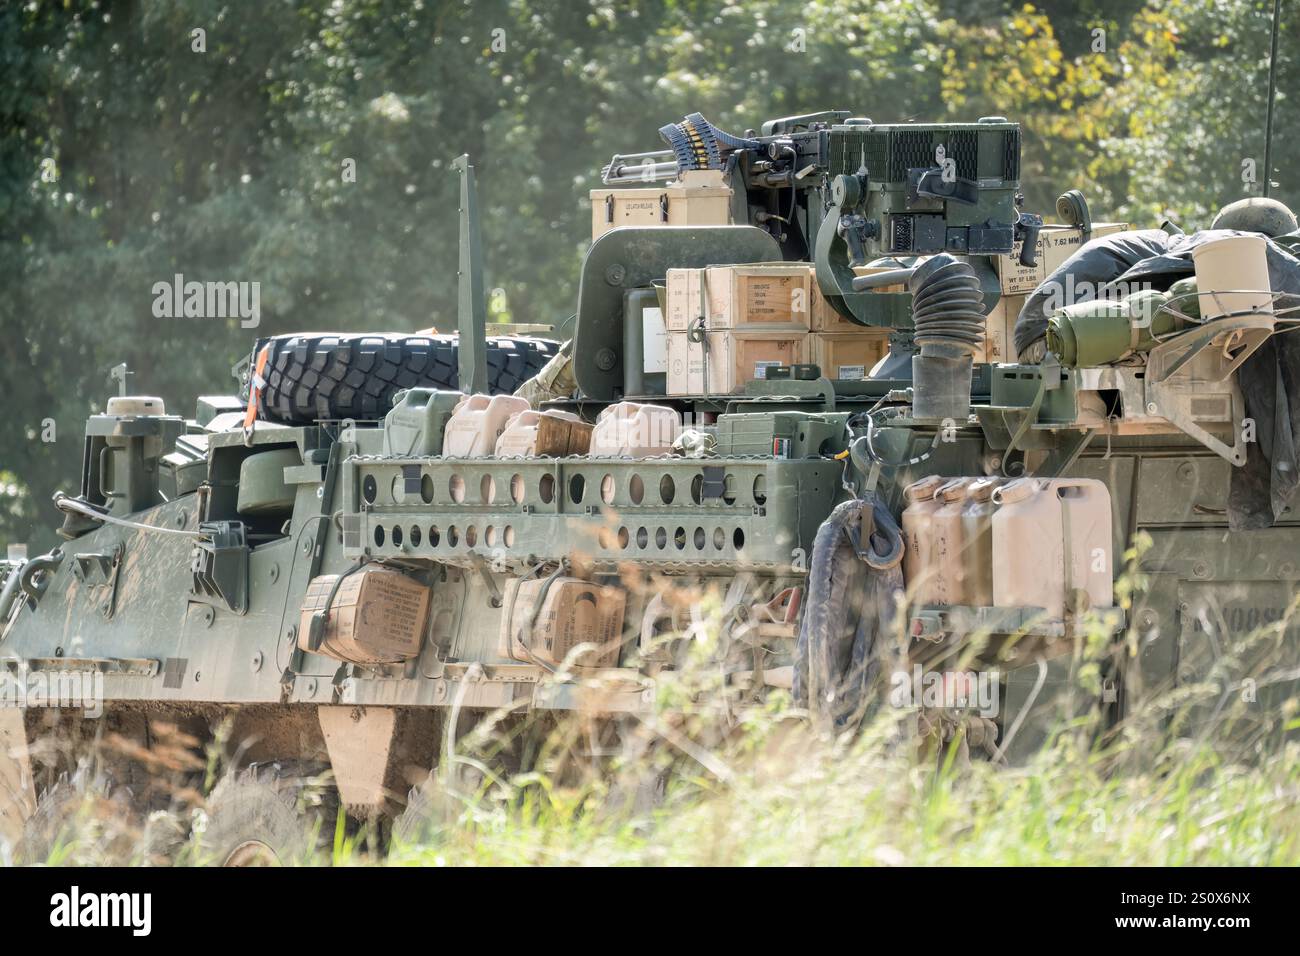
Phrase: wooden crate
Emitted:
{"points": [[767, 296], [999, 341], [1056, 243], [732, 359], [849, 355]]}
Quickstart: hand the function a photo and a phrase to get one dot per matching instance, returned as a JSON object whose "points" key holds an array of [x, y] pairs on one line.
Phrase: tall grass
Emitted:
{"points": [[792, 797], [1204, 773]]}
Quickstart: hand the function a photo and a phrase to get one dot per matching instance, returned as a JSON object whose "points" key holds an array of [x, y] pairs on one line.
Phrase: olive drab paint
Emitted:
{"points": [[199, 557]]}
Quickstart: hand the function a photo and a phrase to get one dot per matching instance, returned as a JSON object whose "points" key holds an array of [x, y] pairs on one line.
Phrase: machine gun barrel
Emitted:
{"points": [[639, 167]]}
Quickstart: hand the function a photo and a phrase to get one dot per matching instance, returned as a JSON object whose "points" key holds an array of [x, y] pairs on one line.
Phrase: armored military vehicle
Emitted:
{"points": [[791, 383]]}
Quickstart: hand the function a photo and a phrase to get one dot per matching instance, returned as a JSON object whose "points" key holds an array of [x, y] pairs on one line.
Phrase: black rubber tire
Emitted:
{"points": [[86, 821], [318, 376], [264, 816], [430, 810]]}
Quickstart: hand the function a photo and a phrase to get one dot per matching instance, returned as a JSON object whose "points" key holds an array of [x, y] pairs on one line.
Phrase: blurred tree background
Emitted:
{"points": [[127, 156]]}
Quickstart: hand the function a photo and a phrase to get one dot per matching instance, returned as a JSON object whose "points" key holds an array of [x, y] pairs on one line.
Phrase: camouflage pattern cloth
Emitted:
{"points": [[555, 380]]}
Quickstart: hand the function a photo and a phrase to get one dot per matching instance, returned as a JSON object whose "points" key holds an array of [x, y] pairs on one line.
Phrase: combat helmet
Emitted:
{"points": [[1256, 214]]}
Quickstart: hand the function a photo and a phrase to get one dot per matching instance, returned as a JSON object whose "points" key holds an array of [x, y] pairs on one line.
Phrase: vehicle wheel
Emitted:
{"points": [[431, 808], [263, 816], [491, 752], [80, 821], [316, 376]]}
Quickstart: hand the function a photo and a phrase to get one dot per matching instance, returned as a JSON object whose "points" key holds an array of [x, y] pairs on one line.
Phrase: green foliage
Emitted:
{"points": [[228, 164]]}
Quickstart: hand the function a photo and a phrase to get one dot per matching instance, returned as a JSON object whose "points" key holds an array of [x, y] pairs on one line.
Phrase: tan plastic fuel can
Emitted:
{"points": [[950, 543], [977, 532], [635, 430], [918, 537], [473, 429], [1052, 544]]}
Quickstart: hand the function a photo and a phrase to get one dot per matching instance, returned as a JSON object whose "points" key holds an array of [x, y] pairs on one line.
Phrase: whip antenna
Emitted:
{"points": [[1272, 94]]}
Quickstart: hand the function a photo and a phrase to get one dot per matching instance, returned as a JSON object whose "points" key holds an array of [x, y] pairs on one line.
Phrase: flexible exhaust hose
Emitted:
{"points": [[947, 303], [948, 316], [947, 307]]}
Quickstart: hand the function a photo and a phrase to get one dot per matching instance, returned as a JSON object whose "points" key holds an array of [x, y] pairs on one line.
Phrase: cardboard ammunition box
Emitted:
{"points": [[826, 319], [1055, 244], [701, 197], [849, 355], [765, 296], [573, 612], [731, 359], [999, 327], [760, 296], [545, 434], [377, 617]]}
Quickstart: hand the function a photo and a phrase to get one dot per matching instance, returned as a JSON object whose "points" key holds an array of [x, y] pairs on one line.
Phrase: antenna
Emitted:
{"points": [[1272, 94], [472, 315]]}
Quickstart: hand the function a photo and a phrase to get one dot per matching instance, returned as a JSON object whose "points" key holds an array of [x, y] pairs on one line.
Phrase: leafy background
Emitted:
{"points": [[227, 164]]}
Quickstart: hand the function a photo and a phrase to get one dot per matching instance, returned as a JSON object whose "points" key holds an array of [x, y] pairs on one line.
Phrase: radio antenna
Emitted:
{"points": [[1272, 94]]}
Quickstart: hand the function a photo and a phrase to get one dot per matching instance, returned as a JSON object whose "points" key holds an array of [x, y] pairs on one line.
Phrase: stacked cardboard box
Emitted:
{"points": [[724, 361], [753, 317], [849, 355], [843, 348], [757, 316], [766, 297], [999, 341], [1055, 244]]}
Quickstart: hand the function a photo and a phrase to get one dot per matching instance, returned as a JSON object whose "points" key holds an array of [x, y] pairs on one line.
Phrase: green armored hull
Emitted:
{"points": [[225, 568]]}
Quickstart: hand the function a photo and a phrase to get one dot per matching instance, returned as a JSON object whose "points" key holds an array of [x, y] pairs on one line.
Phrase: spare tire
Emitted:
{"points": [[317, 376]]}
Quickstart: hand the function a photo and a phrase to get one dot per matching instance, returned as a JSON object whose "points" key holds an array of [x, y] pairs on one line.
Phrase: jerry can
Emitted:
{"points": [[418, 421], [634, 430], [1052, 545], [949, 542], [548, 434], [918, 537], [977, 533], [473, 429]]}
